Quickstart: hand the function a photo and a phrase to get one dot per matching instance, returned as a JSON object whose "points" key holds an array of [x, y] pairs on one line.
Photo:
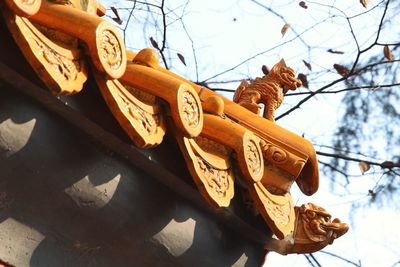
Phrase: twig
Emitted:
{"points": [[383, 165], [340, 257]]}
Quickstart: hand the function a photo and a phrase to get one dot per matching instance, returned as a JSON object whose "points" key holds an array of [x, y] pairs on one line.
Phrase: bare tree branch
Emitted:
{"points": [[383, 165], [341, 258]]}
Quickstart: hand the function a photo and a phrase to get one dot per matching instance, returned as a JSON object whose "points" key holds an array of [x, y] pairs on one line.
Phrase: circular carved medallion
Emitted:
{"points": [[110, 55], [189, 115]]}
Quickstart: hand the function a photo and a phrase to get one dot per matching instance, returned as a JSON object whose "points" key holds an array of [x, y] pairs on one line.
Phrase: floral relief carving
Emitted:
{"points": [[217, 180], [253, 158], [277, 210], [279, 213], [110, 49], [65, 67], [149, 122], [190, 109]]}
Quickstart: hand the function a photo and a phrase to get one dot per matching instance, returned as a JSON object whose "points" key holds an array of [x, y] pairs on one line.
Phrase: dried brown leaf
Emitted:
{"points": [[285, 28], [154, 43], [364, 3], [388, 54], [303, 78], [388, 165], [303, 4], [117, 18], [335, 51], [364, 166], [308, 65], [342, 70], [181, 58]]}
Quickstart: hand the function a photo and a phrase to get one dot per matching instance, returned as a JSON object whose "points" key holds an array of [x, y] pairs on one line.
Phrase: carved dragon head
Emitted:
{"points": [[285, 75], [317, 223], [314, 229]]}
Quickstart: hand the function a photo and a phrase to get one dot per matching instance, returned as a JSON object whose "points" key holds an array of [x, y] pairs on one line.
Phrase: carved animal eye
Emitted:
{"points": [[311, 214]]}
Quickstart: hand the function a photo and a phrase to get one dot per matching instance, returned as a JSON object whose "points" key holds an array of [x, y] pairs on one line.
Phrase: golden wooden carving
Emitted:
{"points": [[104, 44], [215, 135], [138, 113], [208, 157], [240, 140], [282, 167], [277, 210], [210, 166], [183, 100], [314, 229], [268, 90], [308, 180], [57, 61]]}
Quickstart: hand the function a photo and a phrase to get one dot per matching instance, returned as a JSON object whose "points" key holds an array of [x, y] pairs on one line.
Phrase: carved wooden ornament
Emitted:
{"points": [[138, 113], [49, 37], [142, 95], [55, 57], [268, 90], [314, 229], [102, 40], [183, 100], [210, 166], [277, 210]]}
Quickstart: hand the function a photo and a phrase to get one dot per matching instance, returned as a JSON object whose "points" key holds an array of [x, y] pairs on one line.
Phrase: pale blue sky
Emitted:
{"points": [[226, 33]]}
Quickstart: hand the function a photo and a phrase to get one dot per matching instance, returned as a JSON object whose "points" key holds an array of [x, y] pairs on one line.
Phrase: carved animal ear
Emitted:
{"points": [[278, 67], [265, 69], [282, 63]]}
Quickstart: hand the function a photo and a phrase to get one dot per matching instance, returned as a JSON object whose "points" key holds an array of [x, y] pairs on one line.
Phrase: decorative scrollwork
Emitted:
{"points": [[217, 180], [275, 154], [210, 169], [142, 121], [57, 61], [186, 110], [279, 213], [110, 49], [149, 122], [190, 109], [284, 159], [253, 157], [277, 210], [65, 67]]}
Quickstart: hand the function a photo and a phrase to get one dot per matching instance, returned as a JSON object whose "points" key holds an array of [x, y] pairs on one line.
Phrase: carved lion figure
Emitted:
{"points": [[268, 90]]}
